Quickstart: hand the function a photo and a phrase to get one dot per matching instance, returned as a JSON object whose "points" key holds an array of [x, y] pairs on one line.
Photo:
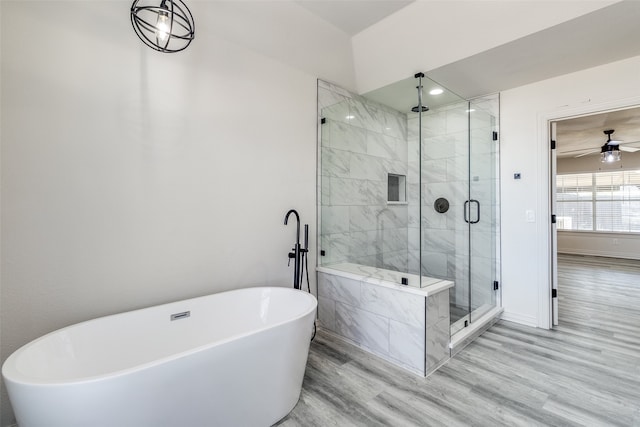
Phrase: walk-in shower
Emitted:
{"points": [[410, 193]]}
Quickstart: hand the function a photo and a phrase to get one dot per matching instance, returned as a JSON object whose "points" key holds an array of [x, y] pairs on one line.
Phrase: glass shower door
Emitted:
{"points": [[476, 231], [482, 206]]}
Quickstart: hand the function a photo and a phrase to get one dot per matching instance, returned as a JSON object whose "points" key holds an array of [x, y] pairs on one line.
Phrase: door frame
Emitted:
{"points": [[547, 250], [554, 226]]}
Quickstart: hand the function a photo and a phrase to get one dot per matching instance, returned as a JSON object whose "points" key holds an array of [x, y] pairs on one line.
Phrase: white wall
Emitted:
{"points": [[428, 34], [285, 31], [614, 245], [132, 178], [525, 112]]}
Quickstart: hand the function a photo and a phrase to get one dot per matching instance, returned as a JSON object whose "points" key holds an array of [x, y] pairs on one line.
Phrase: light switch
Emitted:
{"points": [[531, 216]]}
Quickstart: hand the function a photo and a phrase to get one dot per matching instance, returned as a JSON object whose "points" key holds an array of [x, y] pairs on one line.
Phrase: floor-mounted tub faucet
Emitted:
{"points": [[296, 253]]}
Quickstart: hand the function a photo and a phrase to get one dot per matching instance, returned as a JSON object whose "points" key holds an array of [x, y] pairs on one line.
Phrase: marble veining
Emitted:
{"points": [[363, 166], [433, 171], [346, 291], [394, 124], [335, 219], [344, 137], [406, 344], [327, 312], [368, 329], [361, 143], [387, 278], [392, 321], [437, 341], [364, 114], [435, 264], [365, 243], [336, 246], [380, 145], [398, 167], [395, 260], [332, 88], [393, 304], [335, 163]]}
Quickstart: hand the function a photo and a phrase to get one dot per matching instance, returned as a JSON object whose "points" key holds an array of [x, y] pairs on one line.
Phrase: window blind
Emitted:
{"points": [[599, 201]]}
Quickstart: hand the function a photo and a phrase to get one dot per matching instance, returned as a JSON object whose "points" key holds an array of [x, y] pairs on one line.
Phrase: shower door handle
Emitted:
{"points": [[466, 211], [477, 211]]}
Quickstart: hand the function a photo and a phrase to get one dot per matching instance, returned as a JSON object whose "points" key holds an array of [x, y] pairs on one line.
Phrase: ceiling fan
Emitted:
{"points": [[610, 151]]}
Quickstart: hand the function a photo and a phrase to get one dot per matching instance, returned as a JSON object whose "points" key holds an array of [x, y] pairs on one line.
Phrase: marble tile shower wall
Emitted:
{"points": [[361, 143], [445, 173], [408, 329]]}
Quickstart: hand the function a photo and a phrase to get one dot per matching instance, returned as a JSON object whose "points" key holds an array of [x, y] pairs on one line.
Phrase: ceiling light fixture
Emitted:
{"points": [[166, 27], [436, 91], [610, 151]]}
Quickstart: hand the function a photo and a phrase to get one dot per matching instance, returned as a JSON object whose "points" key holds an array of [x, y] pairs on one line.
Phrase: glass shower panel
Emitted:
{"points": [[410, 191], [445, 234], [337, 141], [363, 209], [459, 169], [483, 204]]}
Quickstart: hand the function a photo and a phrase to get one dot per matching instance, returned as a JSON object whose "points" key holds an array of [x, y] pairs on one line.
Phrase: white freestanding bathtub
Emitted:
{"points": [[235, 358]]}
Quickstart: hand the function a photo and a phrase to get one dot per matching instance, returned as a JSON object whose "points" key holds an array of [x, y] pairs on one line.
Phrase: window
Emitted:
{"points": [[599, 201]]}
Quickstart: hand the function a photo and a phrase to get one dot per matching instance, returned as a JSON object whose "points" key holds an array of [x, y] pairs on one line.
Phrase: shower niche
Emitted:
{"points": [[408, 198], [396, 188]]}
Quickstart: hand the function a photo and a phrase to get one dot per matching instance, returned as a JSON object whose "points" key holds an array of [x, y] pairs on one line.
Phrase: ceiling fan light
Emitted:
{"points": [[609, 153], [610, 156]]}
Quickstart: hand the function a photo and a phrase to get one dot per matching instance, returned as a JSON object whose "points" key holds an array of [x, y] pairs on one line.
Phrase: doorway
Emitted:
{"points": [[594, 189]]}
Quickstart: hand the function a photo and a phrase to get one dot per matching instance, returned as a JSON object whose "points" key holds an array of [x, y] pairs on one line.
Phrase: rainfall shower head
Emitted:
{"points": [[417, 108]]}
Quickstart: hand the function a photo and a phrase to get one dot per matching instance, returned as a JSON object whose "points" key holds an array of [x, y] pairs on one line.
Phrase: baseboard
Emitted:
{"points": [[606, 254], [520, 318]]}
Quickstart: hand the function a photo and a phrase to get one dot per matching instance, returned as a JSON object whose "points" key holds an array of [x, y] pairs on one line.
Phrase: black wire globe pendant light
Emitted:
{"points": [[163, 25]]}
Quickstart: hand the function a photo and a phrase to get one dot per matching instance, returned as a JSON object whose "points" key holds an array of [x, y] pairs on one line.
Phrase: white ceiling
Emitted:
{"points": [[582, 135], [606, 35], [353, 16]]}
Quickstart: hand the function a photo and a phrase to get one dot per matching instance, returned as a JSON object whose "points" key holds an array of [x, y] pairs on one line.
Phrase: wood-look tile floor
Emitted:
{"points": [[585, 372]]}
